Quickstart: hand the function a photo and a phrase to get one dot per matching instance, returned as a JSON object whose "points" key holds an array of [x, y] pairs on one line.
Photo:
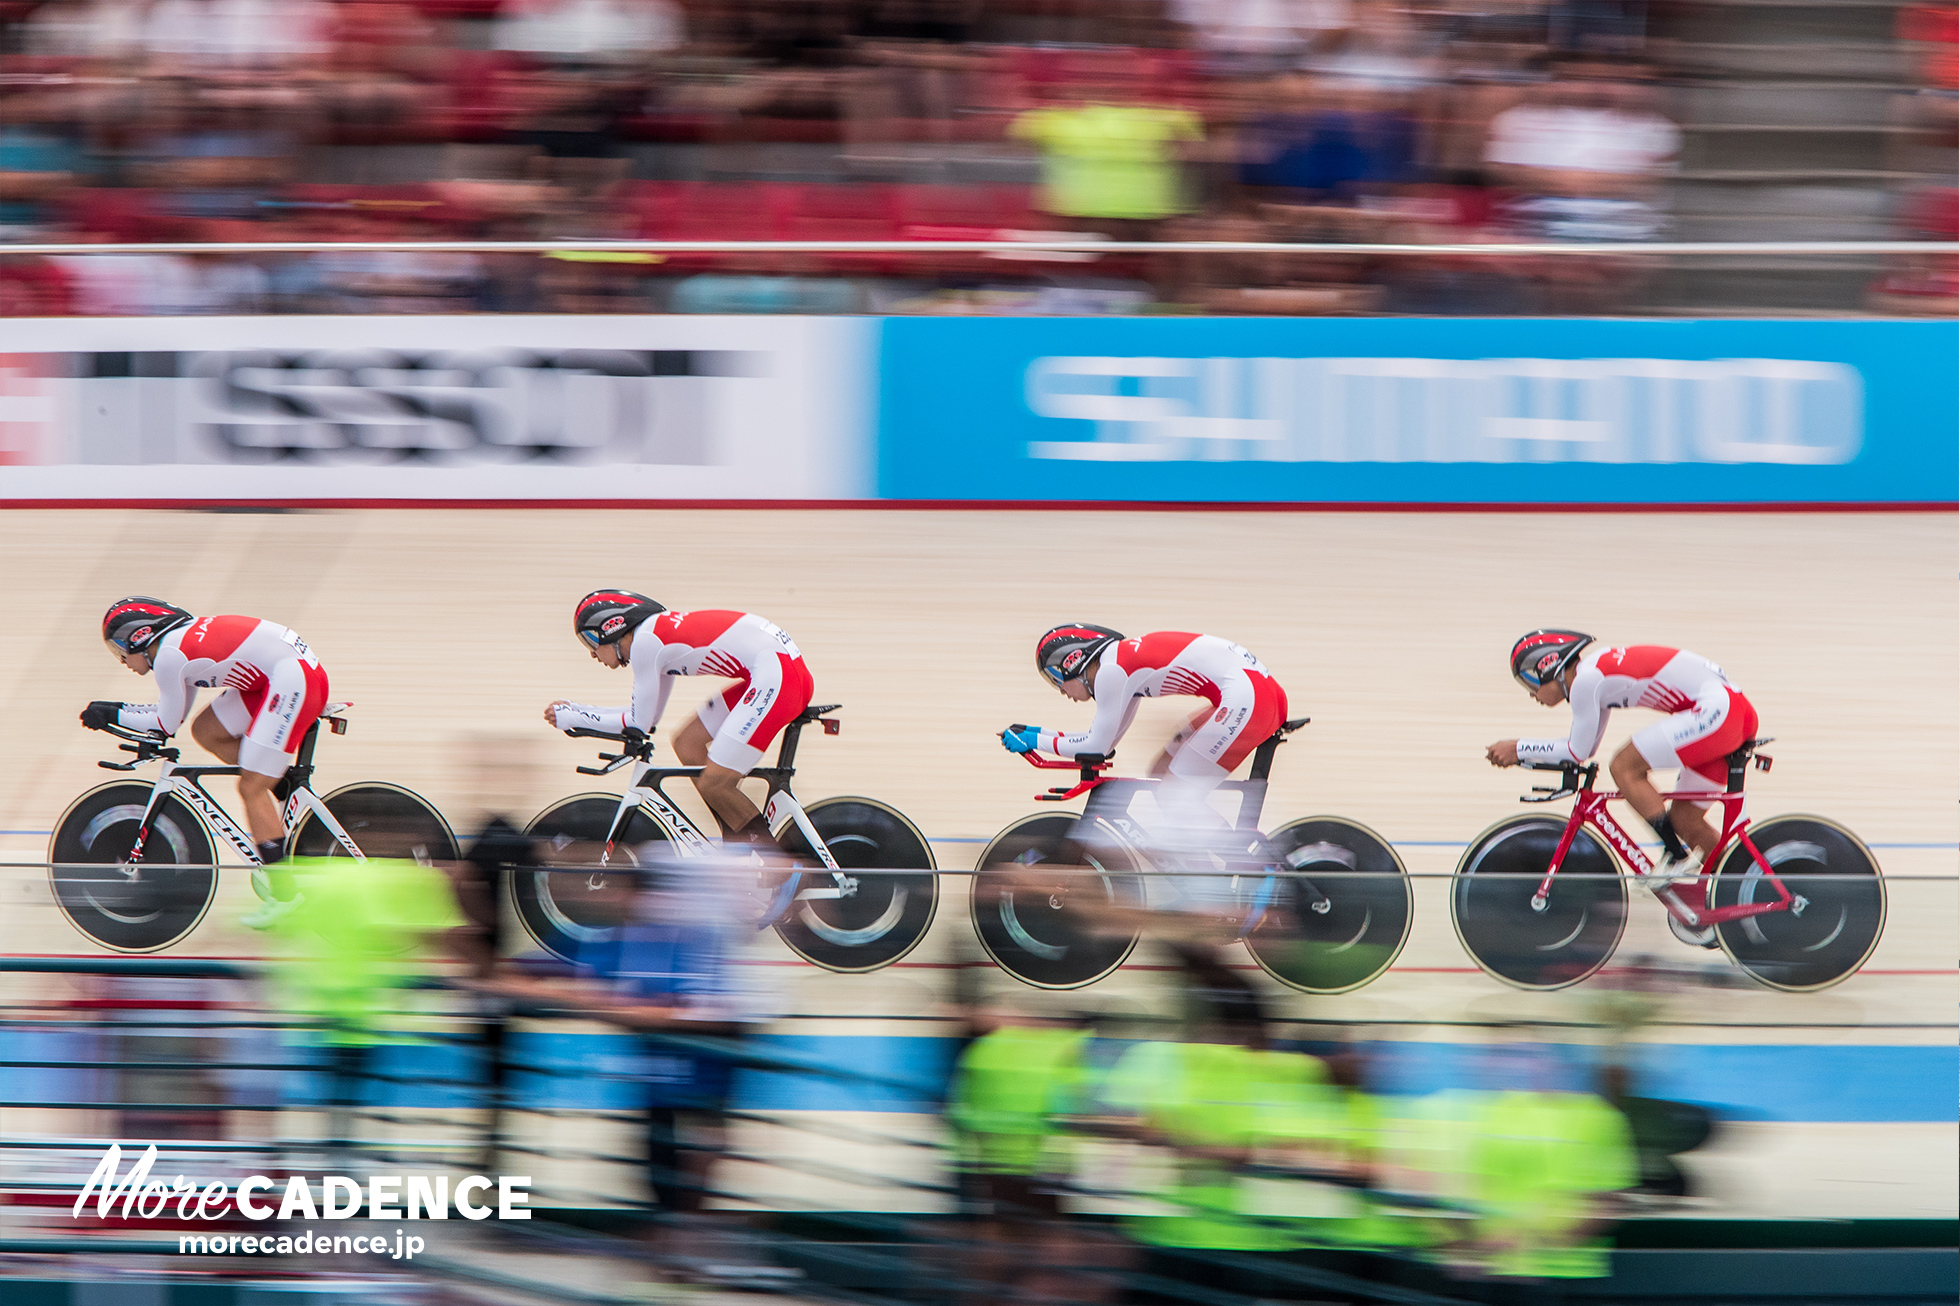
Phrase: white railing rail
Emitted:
{"points": [[1007, 248]]}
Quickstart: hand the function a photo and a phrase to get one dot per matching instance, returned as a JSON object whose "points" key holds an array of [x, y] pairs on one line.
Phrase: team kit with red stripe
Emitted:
{"points": [[772, 684], [272, 689]]}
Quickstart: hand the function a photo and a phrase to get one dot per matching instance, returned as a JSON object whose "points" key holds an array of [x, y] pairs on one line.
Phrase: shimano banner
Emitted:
{"points": [[1418, 411], [668, 408]]}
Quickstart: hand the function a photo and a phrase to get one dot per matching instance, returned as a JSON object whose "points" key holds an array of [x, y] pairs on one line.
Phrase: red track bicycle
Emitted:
{"points": [[1796, 901]]}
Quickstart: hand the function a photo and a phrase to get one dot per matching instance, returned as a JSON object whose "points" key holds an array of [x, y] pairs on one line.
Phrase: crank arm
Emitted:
{"points": [[1317, 902]]}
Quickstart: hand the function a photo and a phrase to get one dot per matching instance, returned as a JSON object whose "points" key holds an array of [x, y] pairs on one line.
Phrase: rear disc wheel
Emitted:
{"points": [[383, 820], [891, 908], [1843, 912], [1342, 917]]}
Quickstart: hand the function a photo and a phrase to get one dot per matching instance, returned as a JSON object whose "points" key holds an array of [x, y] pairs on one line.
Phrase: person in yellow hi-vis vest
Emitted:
{"points": [[1212, 1104], [1011, 1090], [1544, 1167], [353, 939]]}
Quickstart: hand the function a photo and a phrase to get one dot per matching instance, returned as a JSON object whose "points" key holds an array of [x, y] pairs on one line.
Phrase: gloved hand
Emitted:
{"points": [[99, 714], [1021, 739]]}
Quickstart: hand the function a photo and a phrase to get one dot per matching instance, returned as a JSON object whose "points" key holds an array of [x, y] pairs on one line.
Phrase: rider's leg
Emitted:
{"points": [[691, 748], [720, 788], [1701, 742], [743, 722], [213, 735], [261, 809], [288, 704], [1630, 771]]}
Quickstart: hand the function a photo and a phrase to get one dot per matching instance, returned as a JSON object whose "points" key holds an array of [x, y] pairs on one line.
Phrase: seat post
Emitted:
{"points": [[1262, 758], [786, 754], [301, 771]]}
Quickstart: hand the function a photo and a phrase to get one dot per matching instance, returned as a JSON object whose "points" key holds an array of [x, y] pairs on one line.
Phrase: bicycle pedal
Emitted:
{"points": [[812, 895]]}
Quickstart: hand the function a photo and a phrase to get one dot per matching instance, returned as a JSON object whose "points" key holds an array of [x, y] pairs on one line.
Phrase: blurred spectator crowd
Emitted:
{"points": [[346, 120]]}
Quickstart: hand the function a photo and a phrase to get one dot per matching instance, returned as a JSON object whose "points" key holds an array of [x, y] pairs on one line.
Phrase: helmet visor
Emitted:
{"points": [[590, 638]]}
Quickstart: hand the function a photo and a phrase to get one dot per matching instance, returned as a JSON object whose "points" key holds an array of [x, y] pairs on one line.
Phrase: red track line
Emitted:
{"points": [[980, 505]]}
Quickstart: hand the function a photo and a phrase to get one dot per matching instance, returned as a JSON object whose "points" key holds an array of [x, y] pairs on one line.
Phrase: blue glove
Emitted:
{"points": [[1021, 739]]}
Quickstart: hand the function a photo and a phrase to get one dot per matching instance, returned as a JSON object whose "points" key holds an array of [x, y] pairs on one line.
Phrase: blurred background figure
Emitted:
{"points": [[1013, 1091], [361, 934], [1333, 121], [667, 973], [1545, 1166], [500, 778]]}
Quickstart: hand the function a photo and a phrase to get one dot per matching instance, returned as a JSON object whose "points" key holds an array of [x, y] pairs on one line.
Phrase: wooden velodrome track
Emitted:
{"points": [[448, 630]]}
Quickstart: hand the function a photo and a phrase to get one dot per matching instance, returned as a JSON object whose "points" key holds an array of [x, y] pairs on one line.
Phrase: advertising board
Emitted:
{"points": [[450, 408], [1424, 411]]}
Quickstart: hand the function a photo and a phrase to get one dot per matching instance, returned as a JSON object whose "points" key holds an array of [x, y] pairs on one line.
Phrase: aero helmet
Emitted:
{"points": [[603, 616], [1545, 654], [1065, 652], [133, 624]]}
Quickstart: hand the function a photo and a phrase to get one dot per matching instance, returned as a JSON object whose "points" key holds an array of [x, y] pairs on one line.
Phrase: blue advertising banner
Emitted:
{"points": [[1432, 411]]}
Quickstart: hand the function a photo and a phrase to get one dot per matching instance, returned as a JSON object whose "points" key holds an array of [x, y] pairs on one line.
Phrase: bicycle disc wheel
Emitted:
{"points": [[1364, 922], [563, 910], [1060, 938], [383, 820], [1490, 904], [888, 914], [1843, 912], [170, 889]]}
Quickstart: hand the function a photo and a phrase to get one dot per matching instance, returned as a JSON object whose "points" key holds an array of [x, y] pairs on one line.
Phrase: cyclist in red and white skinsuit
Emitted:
{"points": [[272, 690], [1707, 719], [1244, 705], [729, 734]]}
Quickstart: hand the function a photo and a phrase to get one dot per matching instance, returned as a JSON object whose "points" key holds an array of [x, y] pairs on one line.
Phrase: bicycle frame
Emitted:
{"points": [[1589, 809], [646, 788], [1251, 790], [187, 784], [1114, 792]]}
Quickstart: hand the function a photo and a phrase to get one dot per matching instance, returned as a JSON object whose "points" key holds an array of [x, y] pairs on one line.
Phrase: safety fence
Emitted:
{"points": [[231, 1082]]}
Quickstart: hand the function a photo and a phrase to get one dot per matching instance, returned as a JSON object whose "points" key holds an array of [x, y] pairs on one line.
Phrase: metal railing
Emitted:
{"points": [[1072, 245]]}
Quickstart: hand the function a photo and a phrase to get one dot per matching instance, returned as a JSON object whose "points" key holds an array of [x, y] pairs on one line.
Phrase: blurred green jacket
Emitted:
{"points": [[357, 934], [1008, 1089]]}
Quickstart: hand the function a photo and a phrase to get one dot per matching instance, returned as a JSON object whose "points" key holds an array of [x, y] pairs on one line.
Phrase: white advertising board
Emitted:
{"points": [[435, 408]]}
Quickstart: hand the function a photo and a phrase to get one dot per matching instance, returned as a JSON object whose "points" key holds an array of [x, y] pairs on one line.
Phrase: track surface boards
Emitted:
{"points": [[1388, 629]]}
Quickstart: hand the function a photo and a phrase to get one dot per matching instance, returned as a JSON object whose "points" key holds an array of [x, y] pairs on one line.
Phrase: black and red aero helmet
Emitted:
{"points": [[133, 624], [1545, 654], [1065, 652], [604, 616]]}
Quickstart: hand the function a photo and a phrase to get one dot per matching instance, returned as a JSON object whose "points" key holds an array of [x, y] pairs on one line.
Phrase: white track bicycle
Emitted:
{"points": [[133, 863], [827, 915]]}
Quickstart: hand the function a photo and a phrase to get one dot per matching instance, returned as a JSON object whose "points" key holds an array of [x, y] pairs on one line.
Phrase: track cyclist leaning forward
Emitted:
{"points": [[1243, 706], [728, 735], [273, 689], [1707, 719]]}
